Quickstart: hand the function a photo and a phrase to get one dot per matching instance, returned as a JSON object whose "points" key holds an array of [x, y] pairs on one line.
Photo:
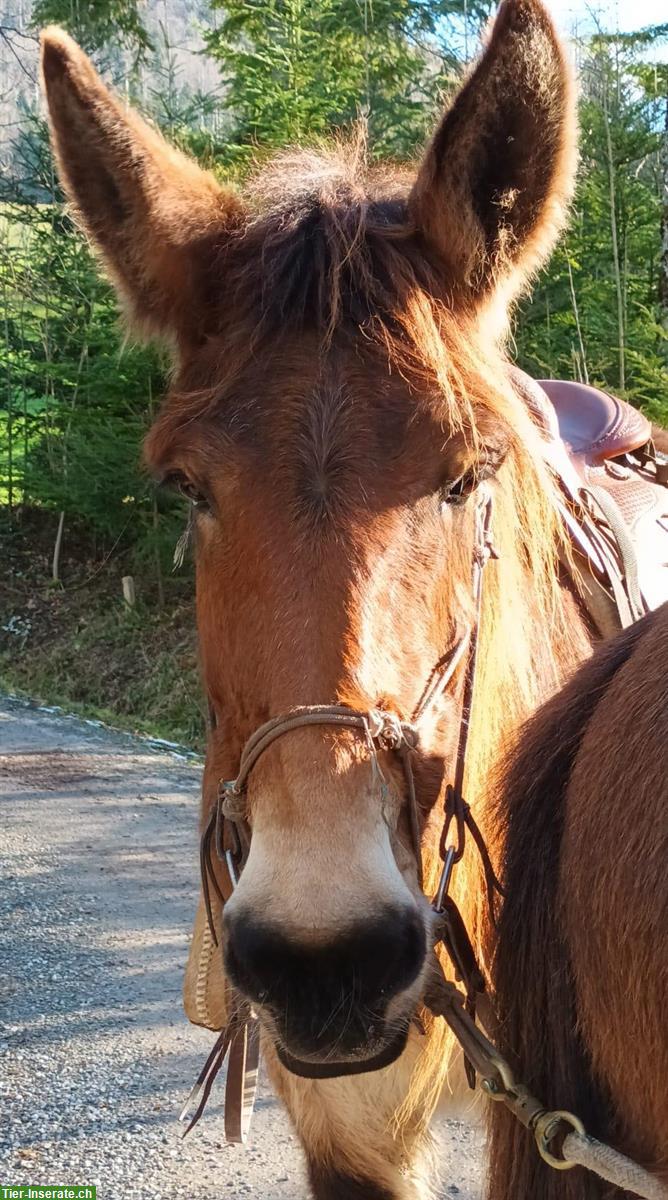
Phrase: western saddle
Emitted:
{"points": [[614, 486]]}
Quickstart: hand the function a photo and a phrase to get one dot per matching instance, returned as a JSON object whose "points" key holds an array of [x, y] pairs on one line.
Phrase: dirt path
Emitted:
{"points": [[98, 860]]}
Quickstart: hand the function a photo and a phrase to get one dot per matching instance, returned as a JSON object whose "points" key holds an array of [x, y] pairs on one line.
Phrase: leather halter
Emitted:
{"points": [[229, 832]]}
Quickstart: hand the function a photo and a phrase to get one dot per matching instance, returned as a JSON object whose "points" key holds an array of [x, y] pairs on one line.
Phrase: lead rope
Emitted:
{"points": [[581, 1150], [445, 1000]]}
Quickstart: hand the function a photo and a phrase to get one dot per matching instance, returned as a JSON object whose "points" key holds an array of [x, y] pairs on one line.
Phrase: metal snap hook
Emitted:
{"points": [[444, 882]]}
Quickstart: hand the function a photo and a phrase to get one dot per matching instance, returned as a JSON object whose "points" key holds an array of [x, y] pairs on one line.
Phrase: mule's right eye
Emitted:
{"points": [[197, 498], [179, 482]]}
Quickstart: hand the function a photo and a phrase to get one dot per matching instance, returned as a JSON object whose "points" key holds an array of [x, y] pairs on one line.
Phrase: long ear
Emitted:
{"points": [[158, 219], [493, 190]]}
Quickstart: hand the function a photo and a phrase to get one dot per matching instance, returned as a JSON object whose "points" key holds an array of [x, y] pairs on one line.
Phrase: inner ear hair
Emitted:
{"points": [[155, 216], [493, 190]]}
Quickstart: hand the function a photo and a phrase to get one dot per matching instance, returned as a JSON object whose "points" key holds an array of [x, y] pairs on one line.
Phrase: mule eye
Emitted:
{"points": [[458, 491], [180, 483], [191, 493]]}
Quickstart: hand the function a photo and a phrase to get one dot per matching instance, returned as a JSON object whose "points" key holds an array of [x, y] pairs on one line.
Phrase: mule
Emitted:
{"points": [[340, 398], [581, 964]]}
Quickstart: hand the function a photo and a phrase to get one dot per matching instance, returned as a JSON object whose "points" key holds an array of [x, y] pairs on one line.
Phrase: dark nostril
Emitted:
{"points": [[304, 985]]}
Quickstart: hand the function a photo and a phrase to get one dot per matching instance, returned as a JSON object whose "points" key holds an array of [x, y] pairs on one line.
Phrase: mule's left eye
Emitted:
{"points": [[459, 490]]}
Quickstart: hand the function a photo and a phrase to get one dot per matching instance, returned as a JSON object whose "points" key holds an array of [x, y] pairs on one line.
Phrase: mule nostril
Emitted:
{"points": [[327, 994]]}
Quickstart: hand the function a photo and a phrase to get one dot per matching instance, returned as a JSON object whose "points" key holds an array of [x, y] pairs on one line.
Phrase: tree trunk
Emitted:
{"points": [[621, 332], [10, 414], [663, 262], [584, 370], [55, 565]]}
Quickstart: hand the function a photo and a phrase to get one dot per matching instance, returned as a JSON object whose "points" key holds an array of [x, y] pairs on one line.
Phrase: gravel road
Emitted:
{"points": [[98, 857]]}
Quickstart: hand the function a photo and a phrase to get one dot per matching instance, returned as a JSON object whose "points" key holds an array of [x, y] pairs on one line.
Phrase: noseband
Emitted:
{"points": [[229, 833]]}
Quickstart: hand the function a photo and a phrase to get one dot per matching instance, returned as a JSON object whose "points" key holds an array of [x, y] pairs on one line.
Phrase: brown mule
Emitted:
{"points": [[339, 394], [581, 962]]}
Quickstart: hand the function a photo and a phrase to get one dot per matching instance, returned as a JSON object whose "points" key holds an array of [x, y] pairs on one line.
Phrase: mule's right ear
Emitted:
{"points": [[158, 219]]}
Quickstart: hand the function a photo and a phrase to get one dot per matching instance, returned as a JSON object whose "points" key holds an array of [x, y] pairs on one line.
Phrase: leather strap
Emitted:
{"points": [[242, 1076], [239, 1042], [624, 545], [381, 730]]}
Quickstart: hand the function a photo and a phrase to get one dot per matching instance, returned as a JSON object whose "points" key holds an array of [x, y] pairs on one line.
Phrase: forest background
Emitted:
{"points": [[231, 81]]}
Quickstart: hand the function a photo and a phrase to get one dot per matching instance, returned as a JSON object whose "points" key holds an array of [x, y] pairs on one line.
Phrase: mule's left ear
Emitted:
{"points": [[493, 190]]}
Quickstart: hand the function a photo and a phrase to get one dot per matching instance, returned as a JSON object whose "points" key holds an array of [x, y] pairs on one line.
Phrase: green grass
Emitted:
{"points": [[107, 716], [129, 669]]}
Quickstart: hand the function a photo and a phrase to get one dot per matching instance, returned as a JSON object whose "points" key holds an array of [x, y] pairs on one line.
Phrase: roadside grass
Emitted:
{"points": [[122, 667], [127, 668], [81, 647], [107, 716]]}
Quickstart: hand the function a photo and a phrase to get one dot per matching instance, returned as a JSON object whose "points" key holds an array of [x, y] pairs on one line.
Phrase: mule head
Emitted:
{"points": [[336, 401]]}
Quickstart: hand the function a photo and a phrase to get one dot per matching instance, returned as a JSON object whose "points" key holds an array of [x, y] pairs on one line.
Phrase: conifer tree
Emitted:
{"points": [[294, 70]]}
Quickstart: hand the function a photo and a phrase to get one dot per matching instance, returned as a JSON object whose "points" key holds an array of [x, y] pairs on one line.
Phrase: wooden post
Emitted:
{"points": [[55, 562], [129, 594]]}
